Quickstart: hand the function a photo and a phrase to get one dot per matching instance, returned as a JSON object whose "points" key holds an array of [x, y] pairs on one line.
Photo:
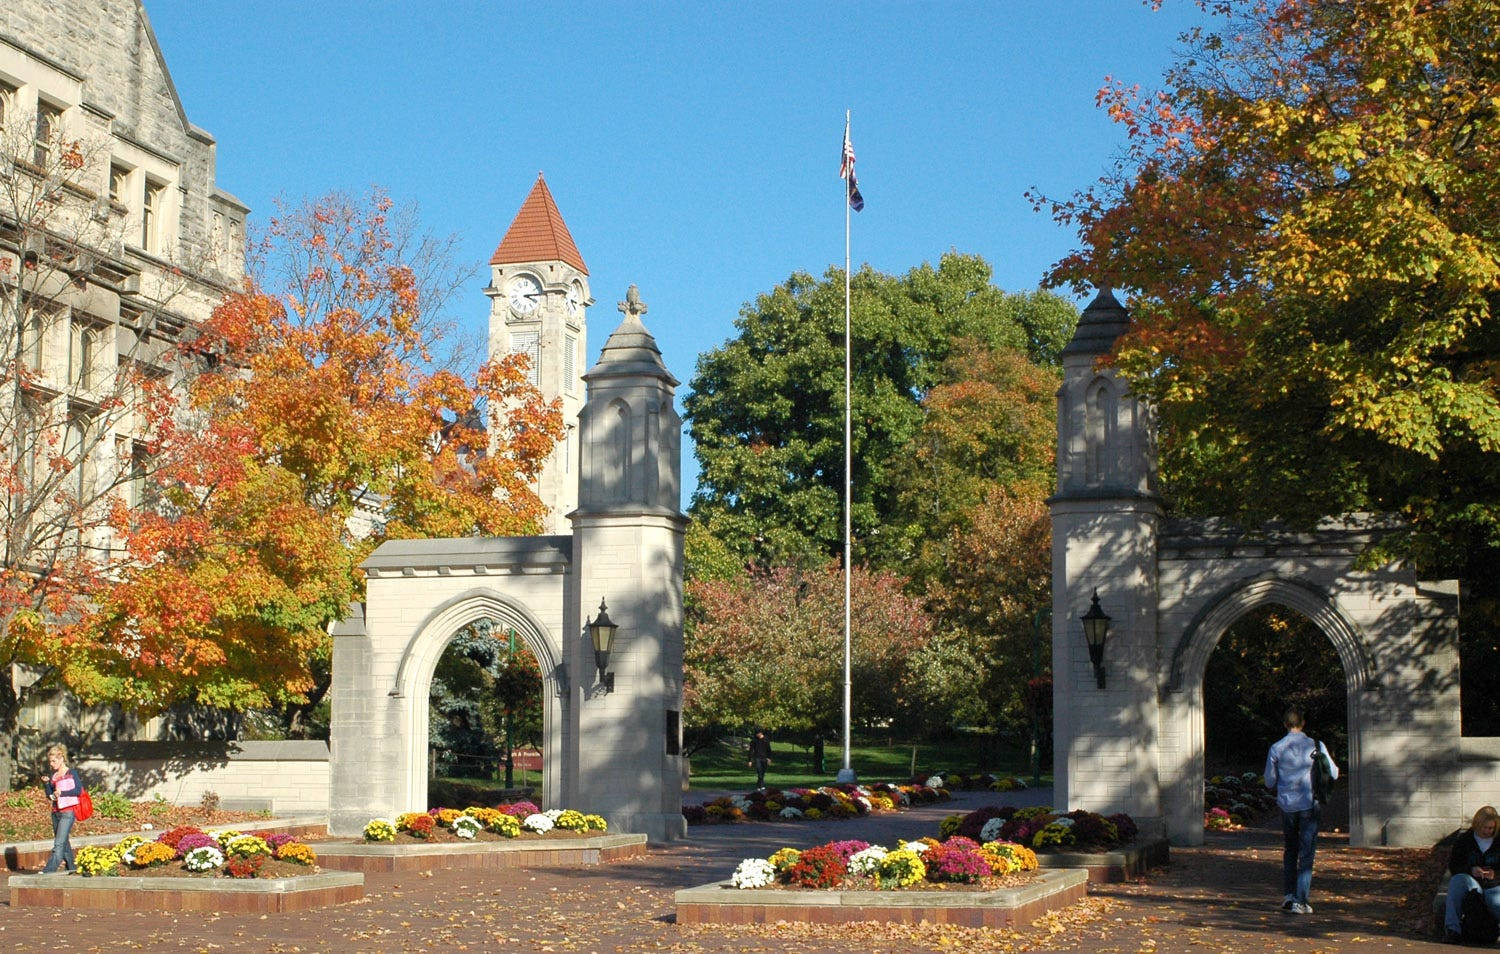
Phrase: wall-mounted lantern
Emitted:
{"points": [[602, 631], [1096, 631]]}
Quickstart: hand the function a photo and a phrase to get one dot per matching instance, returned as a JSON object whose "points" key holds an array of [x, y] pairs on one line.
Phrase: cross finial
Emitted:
{"points": [[632, 306]]}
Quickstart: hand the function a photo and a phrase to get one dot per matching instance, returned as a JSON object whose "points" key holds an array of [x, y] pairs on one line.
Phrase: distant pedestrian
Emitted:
{"points": [[1473, 864], [63, 788], [760, 756], [1289, 771]]}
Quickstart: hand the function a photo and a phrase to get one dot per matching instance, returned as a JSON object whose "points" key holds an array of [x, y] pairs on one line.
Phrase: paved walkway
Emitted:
{"points": [[1220, 897]]}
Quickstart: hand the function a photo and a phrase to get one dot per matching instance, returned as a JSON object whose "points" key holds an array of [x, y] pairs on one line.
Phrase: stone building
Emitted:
{"points": [[539, 296], [115, 239]]}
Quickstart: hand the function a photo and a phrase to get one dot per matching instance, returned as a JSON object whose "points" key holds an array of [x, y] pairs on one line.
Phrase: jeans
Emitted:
{"points": [[62, 850], [1300, 839], [760, 772], [1460, 885]]}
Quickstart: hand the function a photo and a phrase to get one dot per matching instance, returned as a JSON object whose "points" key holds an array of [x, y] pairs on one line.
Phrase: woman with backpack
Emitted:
{"points": [[64, 789], [1473, 865]]}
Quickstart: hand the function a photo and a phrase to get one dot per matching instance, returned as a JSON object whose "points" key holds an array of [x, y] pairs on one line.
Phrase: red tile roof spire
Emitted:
{"points": [[538, 233]]}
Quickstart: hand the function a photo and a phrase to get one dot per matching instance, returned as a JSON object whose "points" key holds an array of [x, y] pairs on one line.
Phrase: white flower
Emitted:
{"points": [[743, 804], [539, 823], [466, 826], [147, 826], [128, 855], [864, 801], [790, 812], [935, 782], [753, 873], [203, 858], [554, 813], [1019, 783], [917, 846], [1064, 822], [991, 830], [867, 862]]}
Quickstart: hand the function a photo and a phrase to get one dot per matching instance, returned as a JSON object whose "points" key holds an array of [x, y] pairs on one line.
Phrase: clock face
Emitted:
{"points": [[525, 294], [575, 301]]}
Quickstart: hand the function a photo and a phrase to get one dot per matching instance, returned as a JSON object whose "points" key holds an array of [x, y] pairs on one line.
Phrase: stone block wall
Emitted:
{"points": [[286, 778]]}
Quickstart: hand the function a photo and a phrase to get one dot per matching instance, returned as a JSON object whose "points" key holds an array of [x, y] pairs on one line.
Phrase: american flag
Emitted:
{"points": [[846, 172]]}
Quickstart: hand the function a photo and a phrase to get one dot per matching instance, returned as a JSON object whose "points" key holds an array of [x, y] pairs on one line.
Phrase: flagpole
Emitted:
{"points": [[846, 774]]}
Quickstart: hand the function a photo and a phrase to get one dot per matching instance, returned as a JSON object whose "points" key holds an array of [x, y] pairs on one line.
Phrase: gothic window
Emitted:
{"points": [[617, 461], [151, 216], [34, 338], [48, 129], [1099, 431], [7, 102], [119, 184], [83, 354], [570, 364]]}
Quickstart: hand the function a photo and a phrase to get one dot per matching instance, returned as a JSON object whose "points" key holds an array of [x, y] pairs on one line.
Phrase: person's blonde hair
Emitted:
{"points": [[1485, 814], [57, 748]]}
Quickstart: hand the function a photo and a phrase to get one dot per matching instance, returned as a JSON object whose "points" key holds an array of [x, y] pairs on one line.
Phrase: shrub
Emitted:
{"points": [[1092, 829], [466, 827], [949, 825], [819, 867], [972, 825], [595, 823], [867, 862], [378, 829], [245, 867], [297, 853], [195, 839], [1022, 857], [901, 868], [96, 861], [173, 837], [538, 823], [226, 836], [571, 820], [128, 842], [203, 858], [421, 825], [1053, 836], [405, 820], [753, 873], [113, 805], [151, 854], [520, 809], [447, 816], [246, 846], [784, 858], [507, 826], [847, 849], [1126, 826], [694, 814], [957, 860]]}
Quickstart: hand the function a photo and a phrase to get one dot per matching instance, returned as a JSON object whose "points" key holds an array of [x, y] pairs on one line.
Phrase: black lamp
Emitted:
{"points": [[1096, 631], [602, 634]]}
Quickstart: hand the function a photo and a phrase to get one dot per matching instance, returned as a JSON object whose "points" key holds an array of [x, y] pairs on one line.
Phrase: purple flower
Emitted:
{"points": [[520, 809], [847, 849], [195, 840]]}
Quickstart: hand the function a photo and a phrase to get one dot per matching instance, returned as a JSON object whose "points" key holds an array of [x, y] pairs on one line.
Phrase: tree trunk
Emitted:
{"points": [[296, 723], [817, 756], [10, 719]]}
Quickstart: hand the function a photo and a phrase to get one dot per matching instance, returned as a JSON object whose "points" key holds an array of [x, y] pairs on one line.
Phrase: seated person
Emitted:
{"points": [[1474, 864]]}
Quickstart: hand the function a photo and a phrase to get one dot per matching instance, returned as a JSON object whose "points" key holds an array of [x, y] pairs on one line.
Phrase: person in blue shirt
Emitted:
{"points": [[1289, 772]]}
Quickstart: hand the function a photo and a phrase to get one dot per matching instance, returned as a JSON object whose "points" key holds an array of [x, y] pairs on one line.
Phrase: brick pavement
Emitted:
{"points": [[1220, 897]]}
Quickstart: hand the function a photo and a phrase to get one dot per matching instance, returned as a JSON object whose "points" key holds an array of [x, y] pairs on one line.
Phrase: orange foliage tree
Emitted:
{"points": [[335, 415]]}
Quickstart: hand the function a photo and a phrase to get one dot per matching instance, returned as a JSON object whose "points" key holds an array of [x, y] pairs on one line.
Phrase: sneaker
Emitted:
{"points": [[1299, 908], [1287, 902]]}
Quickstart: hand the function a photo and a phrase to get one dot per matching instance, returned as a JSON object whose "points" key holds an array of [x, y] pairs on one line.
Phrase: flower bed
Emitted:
{"points": [[1230, 801], [962, 781], [476, 823], [955, 882], [191, 852], [513, 835], [1107, 847], [813, 804], [183, 892]]}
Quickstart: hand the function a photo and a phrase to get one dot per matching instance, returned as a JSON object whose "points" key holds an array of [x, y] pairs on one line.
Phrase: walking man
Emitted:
{"points": [[760, 756], [1289, 767]]}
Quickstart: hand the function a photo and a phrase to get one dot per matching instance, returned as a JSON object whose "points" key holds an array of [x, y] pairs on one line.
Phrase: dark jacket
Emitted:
{"points": [[67, 794], [1466, 855], [760, 748]]}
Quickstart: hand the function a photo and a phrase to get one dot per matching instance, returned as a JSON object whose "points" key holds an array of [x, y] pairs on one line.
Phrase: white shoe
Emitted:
{"points": [[1299, 908]]}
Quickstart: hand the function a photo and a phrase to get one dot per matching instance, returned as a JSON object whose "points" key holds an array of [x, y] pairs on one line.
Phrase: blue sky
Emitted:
{"points": [[693, 148]]}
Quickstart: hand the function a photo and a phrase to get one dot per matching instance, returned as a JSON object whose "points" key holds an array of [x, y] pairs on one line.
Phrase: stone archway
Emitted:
{"points": [[1182, 712], [413, 682]]}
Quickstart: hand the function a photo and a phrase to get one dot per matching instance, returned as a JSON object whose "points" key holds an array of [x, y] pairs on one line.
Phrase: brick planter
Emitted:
{"points": [[539, 853], [1111, 866], [228, 895], [721, 903]]}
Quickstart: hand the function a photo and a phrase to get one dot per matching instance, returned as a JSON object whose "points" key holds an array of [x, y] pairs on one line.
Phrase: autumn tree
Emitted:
{"points": [[766, 408], [768, 649], [1305, 218], [90, 386], [334, 420]]}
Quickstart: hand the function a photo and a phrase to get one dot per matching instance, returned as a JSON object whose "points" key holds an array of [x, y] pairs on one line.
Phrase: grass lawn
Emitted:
{"points": [[722, 765]]}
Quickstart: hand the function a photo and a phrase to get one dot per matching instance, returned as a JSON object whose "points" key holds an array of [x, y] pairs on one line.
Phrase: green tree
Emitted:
{"points": [[766, 408], [767, 649], [1306, 217]]}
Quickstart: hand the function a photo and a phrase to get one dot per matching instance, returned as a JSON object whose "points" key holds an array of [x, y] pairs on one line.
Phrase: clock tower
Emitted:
{"points": [[538, 291]]}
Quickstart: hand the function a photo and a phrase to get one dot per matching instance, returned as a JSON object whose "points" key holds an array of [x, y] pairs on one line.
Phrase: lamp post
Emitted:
{"points": [[602, 631], [1096, 631], [1034, 704]]}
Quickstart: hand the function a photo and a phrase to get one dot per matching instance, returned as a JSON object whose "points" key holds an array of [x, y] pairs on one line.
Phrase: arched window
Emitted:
{"points": [[1099, 431]]}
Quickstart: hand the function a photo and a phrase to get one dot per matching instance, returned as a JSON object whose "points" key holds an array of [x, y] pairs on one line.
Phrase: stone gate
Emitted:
{"points": [[1172, 588], [615, 752]]}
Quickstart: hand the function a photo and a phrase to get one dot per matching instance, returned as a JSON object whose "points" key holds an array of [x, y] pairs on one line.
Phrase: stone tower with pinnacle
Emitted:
{"points": [[539, 293]]}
